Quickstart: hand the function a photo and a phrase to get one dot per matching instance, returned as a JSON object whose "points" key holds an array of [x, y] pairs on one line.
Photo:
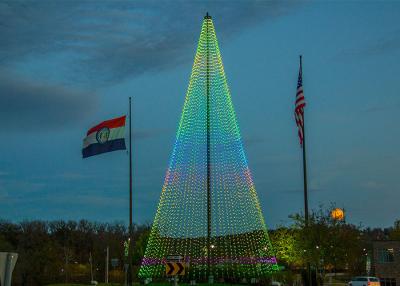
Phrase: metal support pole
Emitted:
{"points": [[306, 217], [304, 159], [209, 272], [130, 242]]}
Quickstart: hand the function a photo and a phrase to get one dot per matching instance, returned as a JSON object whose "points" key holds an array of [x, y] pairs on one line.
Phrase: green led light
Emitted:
{"points": [[240, 246]]}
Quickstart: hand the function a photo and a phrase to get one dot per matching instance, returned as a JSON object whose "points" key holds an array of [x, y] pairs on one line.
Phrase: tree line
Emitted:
{"points": [[61, 251], [329, 245]]}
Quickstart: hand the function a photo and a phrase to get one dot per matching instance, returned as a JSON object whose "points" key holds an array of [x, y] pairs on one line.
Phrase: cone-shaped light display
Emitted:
{"points": [[209, 211]]}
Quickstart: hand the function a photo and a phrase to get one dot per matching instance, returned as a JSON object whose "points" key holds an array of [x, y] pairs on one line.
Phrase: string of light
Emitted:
{"points": [[240, 246]]}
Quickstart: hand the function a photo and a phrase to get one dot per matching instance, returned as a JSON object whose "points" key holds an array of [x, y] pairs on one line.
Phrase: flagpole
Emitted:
{"points": [[304, 160], [306, 217], [130, 243]]}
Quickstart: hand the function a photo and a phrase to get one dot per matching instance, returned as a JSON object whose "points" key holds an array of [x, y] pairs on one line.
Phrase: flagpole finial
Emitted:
{"points": [[207, 16]]}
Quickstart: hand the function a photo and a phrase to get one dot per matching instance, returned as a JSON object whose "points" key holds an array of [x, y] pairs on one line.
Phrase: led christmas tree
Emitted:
{"points": [[209, 211]]}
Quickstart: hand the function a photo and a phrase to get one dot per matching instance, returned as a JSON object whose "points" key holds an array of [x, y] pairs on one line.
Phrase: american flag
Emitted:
{"points": [[299, 106]]}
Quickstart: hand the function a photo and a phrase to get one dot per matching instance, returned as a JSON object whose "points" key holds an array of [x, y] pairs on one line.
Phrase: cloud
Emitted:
{"points": [[36, 106], [374, 185], [95, 44], [382, 108], [147, 133], [380, 46], [253, 140], [89, 200], [108, 41], [73, 176], [301, 191]]}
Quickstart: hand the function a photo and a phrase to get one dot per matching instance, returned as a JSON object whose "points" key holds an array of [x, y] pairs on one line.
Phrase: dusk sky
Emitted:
{"points": [[66, 66]]}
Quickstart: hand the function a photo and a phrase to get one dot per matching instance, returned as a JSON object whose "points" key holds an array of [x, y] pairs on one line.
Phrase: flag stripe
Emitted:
{"points": [[98, 148], [112, 123]]}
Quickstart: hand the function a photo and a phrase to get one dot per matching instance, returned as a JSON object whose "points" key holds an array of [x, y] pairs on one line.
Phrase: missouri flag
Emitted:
{"points": [[105, 137]]}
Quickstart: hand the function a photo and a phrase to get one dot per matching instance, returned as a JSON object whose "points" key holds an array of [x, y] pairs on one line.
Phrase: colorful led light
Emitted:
{"points": [[241, 247]]}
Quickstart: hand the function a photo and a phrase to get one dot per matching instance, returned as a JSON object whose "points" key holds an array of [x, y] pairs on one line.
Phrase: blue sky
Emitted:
{"points": [[66, 66]]}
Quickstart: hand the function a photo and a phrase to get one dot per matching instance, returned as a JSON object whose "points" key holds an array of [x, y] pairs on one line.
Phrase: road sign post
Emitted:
{"points": [[175, 266], [7, 264], [368, 265]]}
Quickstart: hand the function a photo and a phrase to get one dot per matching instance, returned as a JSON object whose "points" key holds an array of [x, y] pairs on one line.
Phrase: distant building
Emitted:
{"points": [[387, 262]]}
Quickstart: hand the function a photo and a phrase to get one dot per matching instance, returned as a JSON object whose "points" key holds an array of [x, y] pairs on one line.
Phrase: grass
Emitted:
{"points": [[151, 284], [100, 284]]}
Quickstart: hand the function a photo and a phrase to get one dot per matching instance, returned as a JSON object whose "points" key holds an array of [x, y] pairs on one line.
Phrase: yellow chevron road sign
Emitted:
{"points": [[174, 268]]}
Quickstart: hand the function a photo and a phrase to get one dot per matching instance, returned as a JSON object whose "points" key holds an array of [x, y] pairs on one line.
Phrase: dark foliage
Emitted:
{"points": [[59, 251]]}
